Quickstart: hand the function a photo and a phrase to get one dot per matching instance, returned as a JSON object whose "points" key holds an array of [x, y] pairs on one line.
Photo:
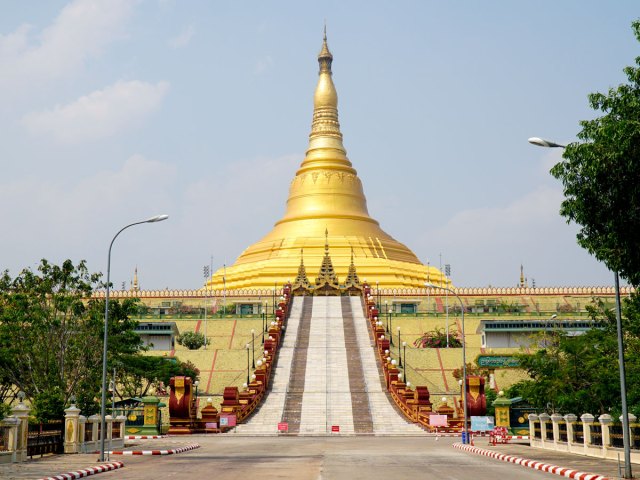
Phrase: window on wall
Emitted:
{"points": [[246, 309], [408, 308]]}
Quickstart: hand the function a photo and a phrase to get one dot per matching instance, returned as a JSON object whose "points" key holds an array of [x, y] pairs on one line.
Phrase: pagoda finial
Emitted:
{"points": [[324, 57]]}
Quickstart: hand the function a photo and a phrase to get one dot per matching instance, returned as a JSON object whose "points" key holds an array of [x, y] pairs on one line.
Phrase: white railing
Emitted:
{"points": [[584, 435]]}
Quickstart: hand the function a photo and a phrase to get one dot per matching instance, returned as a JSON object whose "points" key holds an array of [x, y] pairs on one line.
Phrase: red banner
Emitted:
{"points": [[283, 427], [335, 428]]}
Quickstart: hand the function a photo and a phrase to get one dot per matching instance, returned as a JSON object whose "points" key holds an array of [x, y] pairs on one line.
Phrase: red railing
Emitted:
{"points": [[414, 402], [242, 403]]}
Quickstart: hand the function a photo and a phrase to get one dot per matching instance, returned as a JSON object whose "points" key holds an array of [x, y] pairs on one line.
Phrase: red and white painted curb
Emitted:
{"points": [[85, 472], [143, 437], [156, 452], [544, 467]]}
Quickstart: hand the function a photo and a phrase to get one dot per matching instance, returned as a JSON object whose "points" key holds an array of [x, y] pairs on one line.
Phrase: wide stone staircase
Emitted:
{"points": [[327, 381]]}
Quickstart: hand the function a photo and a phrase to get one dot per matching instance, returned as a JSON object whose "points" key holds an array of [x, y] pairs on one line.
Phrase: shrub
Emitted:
{"points": [[192, 340], [437, 339]]}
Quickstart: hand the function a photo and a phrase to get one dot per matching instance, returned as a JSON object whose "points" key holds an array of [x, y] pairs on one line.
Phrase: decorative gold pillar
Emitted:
{"points": [[502, 407], [150, 426]]}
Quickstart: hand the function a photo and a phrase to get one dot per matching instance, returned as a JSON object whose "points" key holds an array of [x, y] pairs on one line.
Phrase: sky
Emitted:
{"points": [[112, 111]]}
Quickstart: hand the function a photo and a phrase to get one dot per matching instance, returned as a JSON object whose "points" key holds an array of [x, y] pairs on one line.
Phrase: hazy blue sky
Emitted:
{"points": [[113, 111]]}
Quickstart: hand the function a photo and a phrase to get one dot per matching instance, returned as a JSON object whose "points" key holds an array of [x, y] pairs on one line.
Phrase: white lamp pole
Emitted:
{"points": [[157, 218], [626, 441], [465, 430]]}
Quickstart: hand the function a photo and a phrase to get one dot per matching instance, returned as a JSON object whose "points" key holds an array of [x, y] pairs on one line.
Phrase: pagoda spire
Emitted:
{"points": [[327, 280], [325, 140], [301, 281], [352, 277], [134, 285]]}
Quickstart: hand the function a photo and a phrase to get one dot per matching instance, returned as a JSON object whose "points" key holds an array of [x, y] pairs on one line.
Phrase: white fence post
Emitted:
{"points": [[21, 412], [71, 415]]}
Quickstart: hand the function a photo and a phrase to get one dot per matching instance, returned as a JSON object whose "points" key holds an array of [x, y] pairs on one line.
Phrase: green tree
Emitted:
{"points": [[601, 177], [137, 374], [573, 374], [51, 335]]}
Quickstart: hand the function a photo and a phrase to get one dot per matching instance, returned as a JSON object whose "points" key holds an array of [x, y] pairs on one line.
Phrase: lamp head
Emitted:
{"points": [[157, 218], [541, 142]]}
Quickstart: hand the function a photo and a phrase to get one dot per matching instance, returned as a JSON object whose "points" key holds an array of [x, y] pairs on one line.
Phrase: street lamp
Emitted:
{"points": [[247, 347], [391, 326], [465, 436], [105, 340], [399, 345], [626, 441], [404, 353], [386, 312], [264, 319], [253, 348], [195, 384]]}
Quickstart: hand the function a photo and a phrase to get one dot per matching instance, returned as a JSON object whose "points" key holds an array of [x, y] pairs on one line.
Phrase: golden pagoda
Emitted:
{"points": [[326, 205]]}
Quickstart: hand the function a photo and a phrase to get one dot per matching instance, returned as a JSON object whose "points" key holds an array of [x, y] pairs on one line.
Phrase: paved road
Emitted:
{"points": [[349, 458]]}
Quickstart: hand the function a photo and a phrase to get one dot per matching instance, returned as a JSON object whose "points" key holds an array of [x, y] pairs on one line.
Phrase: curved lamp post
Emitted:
{"points": [[465, 437], [157, 218], [626, 441]]}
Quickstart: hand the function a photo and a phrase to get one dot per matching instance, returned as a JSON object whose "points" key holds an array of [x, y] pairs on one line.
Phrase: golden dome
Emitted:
{"points": [[326, 195]]}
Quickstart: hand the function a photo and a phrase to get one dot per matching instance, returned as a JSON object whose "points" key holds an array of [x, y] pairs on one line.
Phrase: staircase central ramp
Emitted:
{"points": [[326, 401]]}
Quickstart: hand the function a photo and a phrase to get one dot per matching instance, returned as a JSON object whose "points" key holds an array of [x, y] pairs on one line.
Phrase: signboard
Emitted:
{"points": [[438, 420], [227, 420], [283, 427], [335, 428], [210, 425], [497, 361], [481, 424]]}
